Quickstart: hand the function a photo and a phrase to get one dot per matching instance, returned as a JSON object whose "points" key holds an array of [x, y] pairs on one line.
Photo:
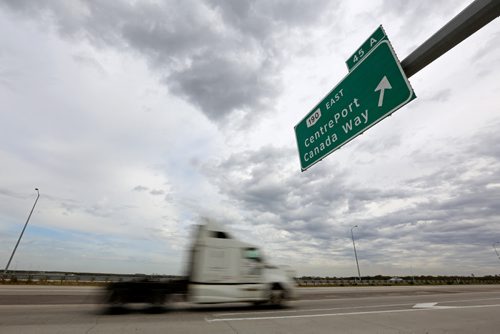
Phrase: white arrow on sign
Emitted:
{"points": [[382, 86]]}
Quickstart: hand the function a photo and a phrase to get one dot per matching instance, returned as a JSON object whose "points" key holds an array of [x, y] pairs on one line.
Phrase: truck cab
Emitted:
{"points": [[220, 269], [224, 269]]}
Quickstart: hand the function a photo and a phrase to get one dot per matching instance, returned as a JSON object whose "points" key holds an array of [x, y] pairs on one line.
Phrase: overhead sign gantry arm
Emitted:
{"points": [[471, 19]]}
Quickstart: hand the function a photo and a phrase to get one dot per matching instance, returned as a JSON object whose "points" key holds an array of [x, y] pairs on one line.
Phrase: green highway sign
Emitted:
{"points": [[372, 41], [374, 89]]}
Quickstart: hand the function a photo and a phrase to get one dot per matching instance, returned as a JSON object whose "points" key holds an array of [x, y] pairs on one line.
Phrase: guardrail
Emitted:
{"points": [[368, 282], [64, 278], [27, 277]]}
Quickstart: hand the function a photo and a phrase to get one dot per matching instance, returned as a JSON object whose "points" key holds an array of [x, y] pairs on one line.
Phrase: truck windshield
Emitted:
{"points": [[219, 235], [252, 254]]}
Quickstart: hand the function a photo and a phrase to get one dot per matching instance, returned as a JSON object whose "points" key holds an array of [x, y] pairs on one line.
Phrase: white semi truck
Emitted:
{"points": [[221, 269]]}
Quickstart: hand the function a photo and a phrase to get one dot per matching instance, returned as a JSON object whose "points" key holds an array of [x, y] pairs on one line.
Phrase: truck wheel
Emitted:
{"points": [[116, 303], [158, 300], [277, 296], [115, 299]]}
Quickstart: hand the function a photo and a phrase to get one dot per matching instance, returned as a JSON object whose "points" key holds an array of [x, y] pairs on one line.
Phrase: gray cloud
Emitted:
{"points": [[93, 209], [221, 56], [440, 96], [421, 18], [437, 215], [7, 76], [220, 86], [90, 62], [140, 188], [157, 192], [12, 194], [488, 145], [415, 11], [382, 145], [489, 47], [428, 206]]}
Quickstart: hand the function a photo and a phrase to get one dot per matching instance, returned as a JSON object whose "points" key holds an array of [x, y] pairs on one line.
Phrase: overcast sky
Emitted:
{"points": [[138, 118]]}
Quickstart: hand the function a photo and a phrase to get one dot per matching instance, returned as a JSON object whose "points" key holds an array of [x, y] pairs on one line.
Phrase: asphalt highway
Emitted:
{"points": [[434, 309]]}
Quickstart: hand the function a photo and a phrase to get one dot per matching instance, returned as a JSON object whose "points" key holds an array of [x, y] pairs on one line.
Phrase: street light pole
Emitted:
{"points": [[22, 232], [355, 254]]}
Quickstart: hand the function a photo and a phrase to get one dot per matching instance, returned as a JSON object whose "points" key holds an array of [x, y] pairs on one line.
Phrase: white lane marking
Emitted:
{"points": [[432, 306], [424, 305], [310, 310], [394, 297], [347, 307], [344, 313]]}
